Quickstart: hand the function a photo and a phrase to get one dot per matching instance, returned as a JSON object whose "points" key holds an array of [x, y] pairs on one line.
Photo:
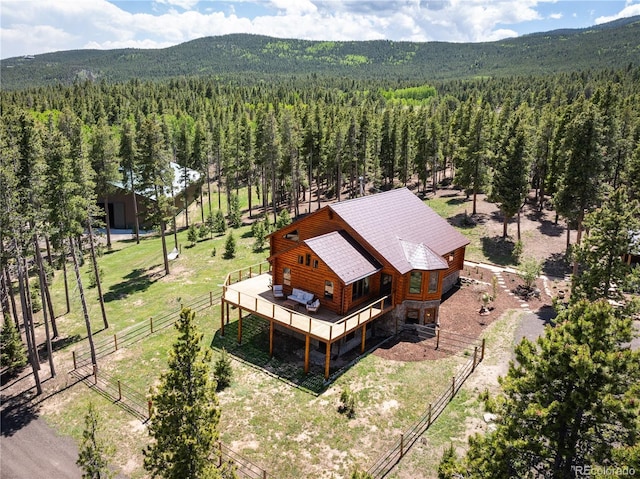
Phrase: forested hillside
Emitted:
{"points": [[614, 45], [288, 144]]}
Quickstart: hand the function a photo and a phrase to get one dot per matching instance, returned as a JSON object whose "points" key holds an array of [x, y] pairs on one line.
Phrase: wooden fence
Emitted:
{"points": [[109, 344], [391, 458], [133, 401]]}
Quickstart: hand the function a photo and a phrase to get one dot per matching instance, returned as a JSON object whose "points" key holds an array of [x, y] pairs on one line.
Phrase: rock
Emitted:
{"points": [[489, 417]]}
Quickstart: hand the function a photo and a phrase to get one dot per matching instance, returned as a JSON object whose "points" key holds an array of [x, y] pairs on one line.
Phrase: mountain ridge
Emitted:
{"points": [[612, 45]]}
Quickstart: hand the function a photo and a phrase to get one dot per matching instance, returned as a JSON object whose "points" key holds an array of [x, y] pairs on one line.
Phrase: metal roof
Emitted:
{"points": [[386, 220], [343, 256]]}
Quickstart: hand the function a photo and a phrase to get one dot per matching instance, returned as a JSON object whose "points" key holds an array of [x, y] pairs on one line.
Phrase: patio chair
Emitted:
{"points": [[277, 291], [313, 307]]}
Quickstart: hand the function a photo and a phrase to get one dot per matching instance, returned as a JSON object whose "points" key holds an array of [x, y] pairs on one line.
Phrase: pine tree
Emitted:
{"points": [[192, 234], [601, 255], [259, 234], [230, 246], [94, 451], [235, 216], [12, 353], [184, 425], [511, 177], [571, 399], [219, 223], [284, 219]]}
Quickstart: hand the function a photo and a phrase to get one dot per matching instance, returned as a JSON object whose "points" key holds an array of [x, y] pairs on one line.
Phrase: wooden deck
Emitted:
{"points": [[251, 292]]}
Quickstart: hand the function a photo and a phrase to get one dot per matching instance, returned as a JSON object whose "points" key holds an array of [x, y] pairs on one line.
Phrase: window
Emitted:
{"points": [[308, 260], [286, 276], [300, 259], [315, 263], [412, 316], [433, 282], [415, 282], [360, 288], [328, 289], [292, 235]]}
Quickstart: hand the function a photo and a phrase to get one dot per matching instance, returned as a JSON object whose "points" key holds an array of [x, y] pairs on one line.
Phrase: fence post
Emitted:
{"points": [[219, 453], [95, 374], [453, 386], [210, 298], [401, 446], [74, 360], [437, 337], [482, 352], [115, 341], [429, 423], [264, 474], [149, 406], [119, 391], [475, 355], [151, 324]]}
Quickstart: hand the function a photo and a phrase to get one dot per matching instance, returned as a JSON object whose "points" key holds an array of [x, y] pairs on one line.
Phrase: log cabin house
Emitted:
{"points": [[381, 260]]}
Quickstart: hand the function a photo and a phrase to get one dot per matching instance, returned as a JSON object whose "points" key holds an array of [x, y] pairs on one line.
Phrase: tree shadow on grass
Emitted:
{"points": [[465, 220], [498, 250], [137, 280]]}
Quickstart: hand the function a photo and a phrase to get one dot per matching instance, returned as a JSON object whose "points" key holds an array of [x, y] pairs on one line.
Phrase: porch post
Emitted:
{"points": [[307, 341], [327, 360], [222, 317], [239, 326], [364, 338], [271, 328]]}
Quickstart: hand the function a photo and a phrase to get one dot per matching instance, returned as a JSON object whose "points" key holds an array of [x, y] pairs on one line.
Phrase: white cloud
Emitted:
{"points": [[556, 16], [71, 24], [628, 11]]}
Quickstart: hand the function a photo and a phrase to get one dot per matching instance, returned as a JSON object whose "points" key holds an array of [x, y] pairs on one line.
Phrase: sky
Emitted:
{"points": [[30, 27]]}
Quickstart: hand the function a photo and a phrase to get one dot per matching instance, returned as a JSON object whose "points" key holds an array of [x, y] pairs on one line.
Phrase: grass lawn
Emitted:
{"points": [[283, 429]]}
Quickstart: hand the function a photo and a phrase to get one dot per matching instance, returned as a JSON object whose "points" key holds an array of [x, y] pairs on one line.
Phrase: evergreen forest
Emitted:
{"points": [[288, 143]]}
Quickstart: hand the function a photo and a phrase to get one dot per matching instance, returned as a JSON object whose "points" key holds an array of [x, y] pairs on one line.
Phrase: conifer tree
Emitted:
{"points": [[219, 223], [12, 353], [94, 451], [154, 174], [570, 399], [601, 255], [184, 425], [511, 176], [235, 215], [230, 246]]}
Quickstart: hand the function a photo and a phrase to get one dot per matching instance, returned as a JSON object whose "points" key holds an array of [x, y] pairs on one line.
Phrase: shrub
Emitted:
{"points": [[192, 235], [347, 403], [222, 370], [448, 467], [529, 271], [203, 231]]}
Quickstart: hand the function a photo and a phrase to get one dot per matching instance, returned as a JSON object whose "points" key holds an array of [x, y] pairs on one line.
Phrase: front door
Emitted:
{"points": [[430, 315]]}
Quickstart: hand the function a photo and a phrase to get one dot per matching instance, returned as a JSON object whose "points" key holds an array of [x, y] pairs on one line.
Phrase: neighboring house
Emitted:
{"points": [[120, 201], [374, 262], [633, 256], [351, 252]]}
